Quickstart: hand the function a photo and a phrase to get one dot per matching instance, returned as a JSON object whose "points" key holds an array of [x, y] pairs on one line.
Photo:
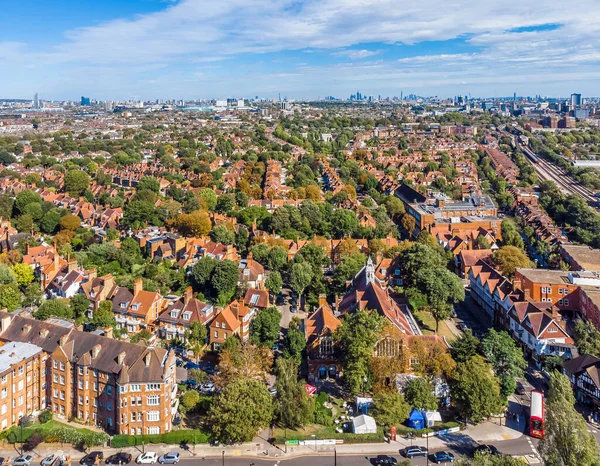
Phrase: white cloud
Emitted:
{"points": [[357, 54], [193, 32]]}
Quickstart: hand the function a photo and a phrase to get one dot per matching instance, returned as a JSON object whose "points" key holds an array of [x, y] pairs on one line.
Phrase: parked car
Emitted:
{"points": [[179, 363], [119, 458], [169, 458], [443, 457], [92, 458], [385, 460], [23, 460], [191, 383], [521, 390], [207, 387], [52, 459], [149, 457], [413, 452], [463, 326], [191, 365], [272, 391], [486, 450]]}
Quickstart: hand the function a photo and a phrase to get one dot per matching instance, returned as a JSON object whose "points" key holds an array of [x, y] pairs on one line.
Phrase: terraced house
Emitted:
{"points": [[119, 386]]}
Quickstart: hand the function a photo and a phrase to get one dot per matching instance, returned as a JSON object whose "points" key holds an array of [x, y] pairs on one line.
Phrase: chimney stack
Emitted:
{"points": [[322, 299], [187, 295], [138, 286]]}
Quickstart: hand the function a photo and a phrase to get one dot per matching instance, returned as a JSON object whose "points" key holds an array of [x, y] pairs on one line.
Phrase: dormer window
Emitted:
{"points": [[223, 326], [246, 272], [186, 315], [174, 313], [217, 324], [383, 271], [123, 305], [135, 306]]}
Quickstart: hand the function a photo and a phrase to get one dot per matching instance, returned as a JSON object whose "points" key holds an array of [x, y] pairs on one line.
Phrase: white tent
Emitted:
{"points": [[364, 424], [432, 417]]}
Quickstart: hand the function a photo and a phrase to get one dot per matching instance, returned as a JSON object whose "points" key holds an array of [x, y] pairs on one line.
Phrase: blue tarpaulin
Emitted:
{"points": [[416, 419]]}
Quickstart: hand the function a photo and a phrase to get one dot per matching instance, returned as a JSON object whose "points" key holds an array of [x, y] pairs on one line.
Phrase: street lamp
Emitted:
{"points": [[223, 458], [143, 446], [334, 456]]}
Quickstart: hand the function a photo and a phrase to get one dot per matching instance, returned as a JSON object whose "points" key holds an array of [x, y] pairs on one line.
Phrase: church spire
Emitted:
{"points": [[370, 271]]}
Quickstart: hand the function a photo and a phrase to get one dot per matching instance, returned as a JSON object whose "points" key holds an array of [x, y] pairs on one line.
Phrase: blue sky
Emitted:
{"points": [[118, 49]]}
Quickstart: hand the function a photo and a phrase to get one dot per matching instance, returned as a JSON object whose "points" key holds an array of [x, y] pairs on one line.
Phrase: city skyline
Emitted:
{"points": [[191, 49]]}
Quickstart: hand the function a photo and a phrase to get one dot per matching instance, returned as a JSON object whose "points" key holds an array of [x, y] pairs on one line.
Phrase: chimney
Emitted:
{"points": [[235, 309], [109, 332], [71, 265], [92, 274], [138, 286], [249, 257], [187, 295], [322, 299], [44, 333], [63, 340], [96, 351], [26, 329], [5, 322], [147, 359], [121, 358]]}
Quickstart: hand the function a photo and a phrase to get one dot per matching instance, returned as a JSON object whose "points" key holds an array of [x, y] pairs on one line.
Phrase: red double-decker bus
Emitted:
{"points": [[536, 417]]}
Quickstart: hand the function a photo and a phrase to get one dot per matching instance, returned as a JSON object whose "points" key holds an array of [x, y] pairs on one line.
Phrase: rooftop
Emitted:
{"points": [[14, 352], [587, 258]]}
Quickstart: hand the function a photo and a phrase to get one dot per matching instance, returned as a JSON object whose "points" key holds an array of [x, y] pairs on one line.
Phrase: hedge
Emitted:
{"points": [[331, 434], [175, 437]]}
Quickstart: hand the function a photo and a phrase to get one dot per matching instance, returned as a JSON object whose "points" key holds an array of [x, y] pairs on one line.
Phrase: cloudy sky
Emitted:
{"points": [[118, 49]]}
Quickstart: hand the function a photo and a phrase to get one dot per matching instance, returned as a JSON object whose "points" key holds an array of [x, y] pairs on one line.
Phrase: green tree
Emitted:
{"points": [[8, 275], [277, 258], [294, 341], [103, 316], [50, 221], [196, 336], [293, 406], [464, 347], [25, 198], [148, 182], [243, 407], [209, 198], [509, 258], [300, 277], [475, 389], [53, 308], [222, 234], [79, 305], [344, 222], [418, 393], [510, 234], [190, 399], [203, 270], [347, 270], [390, 408], [264, 329], [587, 337], [442, 289], [10, 297], [567, 440], [274, 282], [505, 357], [357, 337], [76, 182], [483, 459], [225, 277], [419, 257]]}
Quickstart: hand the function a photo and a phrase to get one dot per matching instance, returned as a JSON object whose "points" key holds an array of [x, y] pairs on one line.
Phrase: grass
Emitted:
{"points": [[176, 437], [13, 435], [427, 324]]}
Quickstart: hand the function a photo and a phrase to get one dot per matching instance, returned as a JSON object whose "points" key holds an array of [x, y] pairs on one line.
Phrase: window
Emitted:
{"points": [[80, 370], [4, 378], [62, 394], [81, 400], [216, 334], [4, 393], [186, 316], [109, 405], [153, 400], [21, 368], [153, 386], [133, 417], [566, 302], [62, 379], [552, 330], [217, 324], [55, 378], [109, 389], [154, 430], [20, 400], [80, 384], [55, 362], [95, 386], [4, 408], [135, 387], [95, 402], [55, 393], [153, 416], [133, 401], [174, 314], [223, 326], [62, 366], [20, 385]]}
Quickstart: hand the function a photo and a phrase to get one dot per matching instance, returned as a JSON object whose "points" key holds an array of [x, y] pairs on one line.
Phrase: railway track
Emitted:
{"points": [[566, 183]]}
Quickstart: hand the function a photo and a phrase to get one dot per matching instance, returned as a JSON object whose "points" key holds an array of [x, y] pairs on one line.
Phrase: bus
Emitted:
{"points": [[536, 418]]}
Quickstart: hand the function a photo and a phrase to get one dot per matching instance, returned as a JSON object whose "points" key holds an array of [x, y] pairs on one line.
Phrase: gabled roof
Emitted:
{"points": [[320, 321]]}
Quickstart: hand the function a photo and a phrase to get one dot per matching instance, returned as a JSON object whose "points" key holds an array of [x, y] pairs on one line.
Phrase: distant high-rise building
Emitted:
{"points": [[36, 101], [575, 100], [515, 96], [85, 101]]}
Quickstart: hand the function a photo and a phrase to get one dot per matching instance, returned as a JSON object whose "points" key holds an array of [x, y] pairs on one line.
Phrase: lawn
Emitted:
{"points": [[13, 435], [427, 324], [324, 432]]}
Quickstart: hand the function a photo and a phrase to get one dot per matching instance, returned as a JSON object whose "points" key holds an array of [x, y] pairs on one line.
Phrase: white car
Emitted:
{"points": [[23, 460], [147, 458], [207, 387], [49, 460]]}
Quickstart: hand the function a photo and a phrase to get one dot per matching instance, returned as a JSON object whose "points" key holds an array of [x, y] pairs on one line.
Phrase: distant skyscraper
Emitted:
{"points": [[515, 96], [575, 100], [85, 101], [36, 101]]}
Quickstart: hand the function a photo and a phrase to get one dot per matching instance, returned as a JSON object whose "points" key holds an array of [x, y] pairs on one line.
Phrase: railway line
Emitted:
{"points": [[566, 183]]}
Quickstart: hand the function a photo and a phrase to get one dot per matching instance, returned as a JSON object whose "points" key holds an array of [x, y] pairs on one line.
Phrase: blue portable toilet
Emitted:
{"points": [[416, 419]]}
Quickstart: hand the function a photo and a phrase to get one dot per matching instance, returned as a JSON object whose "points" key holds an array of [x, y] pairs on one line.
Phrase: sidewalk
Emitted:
{"points": [[483, 433]]}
